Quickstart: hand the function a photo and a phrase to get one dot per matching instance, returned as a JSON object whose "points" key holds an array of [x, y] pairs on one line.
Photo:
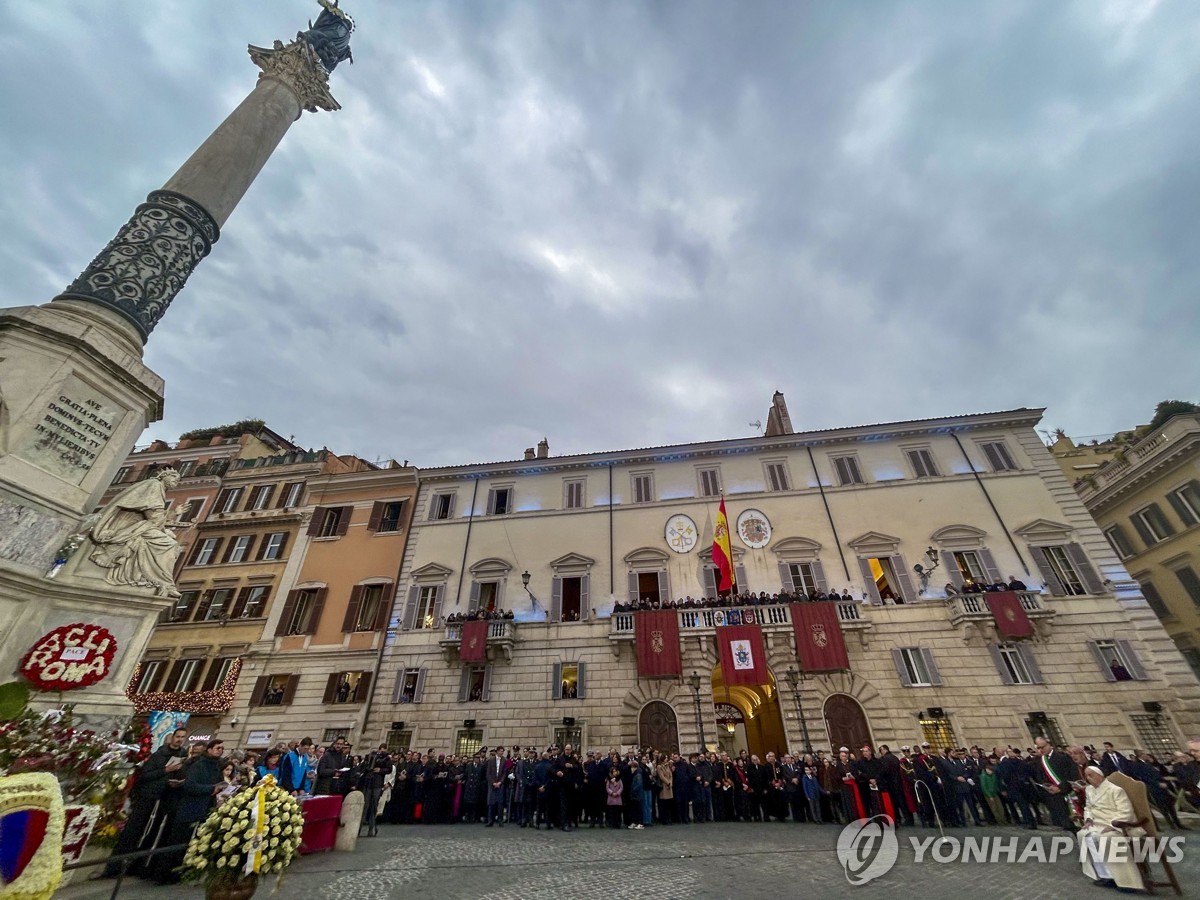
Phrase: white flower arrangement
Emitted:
{"points": [[245, 836]]}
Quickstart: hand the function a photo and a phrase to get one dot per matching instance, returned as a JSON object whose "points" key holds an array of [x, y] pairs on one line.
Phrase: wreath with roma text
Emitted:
{"points": [[70, 657]]}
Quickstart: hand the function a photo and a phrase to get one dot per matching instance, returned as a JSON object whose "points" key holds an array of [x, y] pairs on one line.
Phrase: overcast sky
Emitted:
{"points": [[625, 224]]}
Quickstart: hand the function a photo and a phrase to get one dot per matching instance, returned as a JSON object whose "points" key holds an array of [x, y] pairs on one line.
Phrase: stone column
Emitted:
{"points": [[142, 269]]}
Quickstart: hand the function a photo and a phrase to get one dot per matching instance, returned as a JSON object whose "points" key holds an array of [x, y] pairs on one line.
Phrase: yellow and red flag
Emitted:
{"points": [[722, 553]]}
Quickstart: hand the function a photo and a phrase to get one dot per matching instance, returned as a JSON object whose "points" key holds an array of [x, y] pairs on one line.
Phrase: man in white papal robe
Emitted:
{"points": [[1108, 853]]}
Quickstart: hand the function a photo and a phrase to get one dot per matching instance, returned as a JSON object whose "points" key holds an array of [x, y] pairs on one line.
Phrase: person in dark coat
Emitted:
{"points": [[145, 815], [204, 780], [1015, 788], [1144, 767], [1056, 771], [495, 788], [891, 782], [370, 781], [333, 766], [682, 778]]}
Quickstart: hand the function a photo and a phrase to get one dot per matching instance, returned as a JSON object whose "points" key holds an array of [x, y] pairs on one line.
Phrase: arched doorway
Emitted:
{"points": [[658, 728], [846, 723], [761, 728]]}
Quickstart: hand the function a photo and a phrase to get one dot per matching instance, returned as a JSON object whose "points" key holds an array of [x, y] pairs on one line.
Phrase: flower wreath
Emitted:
{"points": [[70, 657], [31, 836], [256, 831]]}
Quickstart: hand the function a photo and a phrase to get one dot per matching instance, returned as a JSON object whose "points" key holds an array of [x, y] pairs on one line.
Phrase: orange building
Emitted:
{"points": [[322, 642]]}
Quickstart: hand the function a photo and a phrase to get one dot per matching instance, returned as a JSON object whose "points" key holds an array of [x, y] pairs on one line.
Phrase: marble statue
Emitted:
{"points": [[133, 538]]}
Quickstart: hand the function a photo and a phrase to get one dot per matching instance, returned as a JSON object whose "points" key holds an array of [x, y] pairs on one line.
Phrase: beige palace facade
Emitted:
{"points": [[851, 509]]}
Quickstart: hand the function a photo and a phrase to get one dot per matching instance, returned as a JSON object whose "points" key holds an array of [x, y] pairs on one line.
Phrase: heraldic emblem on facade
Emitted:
{"points": [[1010, 614], [820, 638], [657, 644], [741, 656]]}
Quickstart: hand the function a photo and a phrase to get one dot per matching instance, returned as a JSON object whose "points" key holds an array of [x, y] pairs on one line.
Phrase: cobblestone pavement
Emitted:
{"points": [[732, 860]]}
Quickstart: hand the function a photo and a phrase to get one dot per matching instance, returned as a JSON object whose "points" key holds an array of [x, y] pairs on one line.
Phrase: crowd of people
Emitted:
{"points": [[559, 788], [762, 598], [488, 615]]}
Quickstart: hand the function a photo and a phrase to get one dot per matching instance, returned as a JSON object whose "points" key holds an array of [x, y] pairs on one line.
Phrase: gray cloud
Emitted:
{"points": [[623, 224]]}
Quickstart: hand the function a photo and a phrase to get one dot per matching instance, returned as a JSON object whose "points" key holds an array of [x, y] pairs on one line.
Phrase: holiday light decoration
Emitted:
{"points": [[218, 700]]}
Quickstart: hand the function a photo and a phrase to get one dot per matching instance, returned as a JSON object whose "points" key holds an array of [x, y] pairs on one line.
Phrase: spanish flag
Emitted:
{"points": [[722, 553]]}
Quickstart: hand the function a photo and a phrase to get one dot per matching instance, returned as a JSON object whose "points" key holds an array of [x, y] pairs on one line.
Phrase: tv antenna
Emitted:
{"points": [[757, 425]]}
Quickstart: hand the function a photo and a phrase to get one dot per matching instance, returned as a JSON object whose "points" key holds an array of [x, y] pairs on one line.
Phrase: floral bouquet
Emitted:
{"points": [[256, 831]]}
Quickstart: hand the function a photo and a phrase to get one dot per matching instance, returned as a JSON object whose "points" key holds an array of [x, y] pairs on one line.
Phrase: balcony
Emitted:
{"points": [[502, 635], [775, 619], [972, 609], [1177, 435]]}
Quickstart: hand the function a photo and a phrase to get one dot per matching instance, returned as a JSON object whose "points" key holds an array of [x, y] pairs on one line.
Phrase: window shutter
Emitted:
{"points": [[901, 668], [222, 499], [205, 602], [264, 499], [398, 687], [739, 572], [785, 577], [352, 608], [951, 567], [664, 587], [376, 515], [633, 587], [260, 688], [1181, 508], [289, 607], [473, 603], [818, 572], [195, 554], [581, 681], [384, 612], [1099, 657], [230, 544], [491, 501], [437, 605], [420, 692], [935, 677], [331, 684], [1143, 532], [283, 542], [1048, 577], [1091, 581], [710, 582], [210, 676], [907, 591], [585, 592], [151, 683], [989, 565], [410, 608], [998, 661], [314, 524], [464, 684], [556, 599], [289, 689], [487, 683], [345, 514], [869, 582], [249, 555], [1035, 672], [556, 682], [1132, 663], [1150, 592], [318, 605], [363, 691]]}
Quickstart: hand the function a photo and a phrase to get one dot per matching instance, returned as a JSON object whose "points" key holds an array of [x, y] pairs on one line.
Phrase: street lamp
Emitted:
{"points": [[793, 679], [694, 682]]}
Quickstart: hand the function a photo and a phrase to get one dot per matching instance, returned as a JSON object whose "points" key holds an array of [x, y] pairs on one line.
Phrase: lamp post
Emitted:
{"points": [[694, 682], [793, 679], [525, 584]]}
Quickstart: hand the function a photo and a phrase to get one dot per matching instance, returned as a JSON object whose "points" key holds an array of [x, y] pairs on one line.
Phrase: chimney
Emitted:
{"points": [[543, 450], [778, 420], [529, 453]]}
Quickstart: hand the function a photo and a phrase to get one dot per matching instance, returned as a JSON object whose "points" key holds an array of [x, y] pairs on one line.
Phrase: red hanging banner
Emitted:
{"points": [[656, 634], [743, 659], [474, 641], [820, 644], [1011, 620]]}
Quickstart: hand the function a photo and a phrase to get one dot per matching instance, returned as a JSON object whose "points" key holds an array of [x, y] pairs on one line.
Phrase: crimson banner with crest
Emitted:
{"points": [[474, 641], [743, 659], [820, 645], [1011, 620], [656, 634]]}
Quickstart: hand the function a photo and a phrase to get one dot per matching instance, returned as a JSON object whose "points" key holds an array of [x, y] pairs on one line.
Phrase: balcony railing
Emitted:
{"points": [[974, 607], [501, 634], [770, 617], [1182, 430]]}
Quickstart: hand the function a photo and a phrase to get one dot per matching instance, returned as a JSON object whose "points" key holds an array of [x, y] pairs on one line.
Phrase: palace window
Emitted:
{"points": [[1191, 584], [777, 476], [804, 579], [916, 667], [426, 603], [333, 734], [386, 517], [1151, 525], [217, 604], [205, 551], [347, 687], [567, 681], [272, 546], [1119, 541], [1154, 733], [1186, 501], [847, 469], [441, 506], [568, 734], [475, 684], [1154, 598], [228, 499], [151, 672], [1040, 725], [710, 482], [410, 686], [1117, 660], [399, 740], [187, 671], [367, 608], [468, 741], [499, 501], [250, 602], [239, 548], [573, 493], [261, 496], [922, 462], [643, 487], [191, 509], [1015, 663], [291, 495], [938, 731], [998, 456]]}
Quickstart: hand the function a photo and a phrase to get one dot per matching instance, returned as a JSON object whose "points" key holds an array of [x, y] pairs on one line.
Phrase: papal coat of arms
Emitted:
{"points": [[820, 638], [1010, 614], [741, 658], [657, 644]]}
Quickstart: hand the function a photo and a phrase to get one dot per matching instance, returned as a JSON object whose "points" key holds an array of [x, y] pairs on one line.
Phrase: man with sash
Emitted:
{"points": [[925, 772], [1056, 771], [724, 781]]}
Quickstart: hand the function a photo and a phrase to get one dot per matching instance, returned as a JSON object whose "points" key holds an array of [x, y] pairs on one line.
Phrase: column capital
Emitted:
{"points": [[298, 67]]}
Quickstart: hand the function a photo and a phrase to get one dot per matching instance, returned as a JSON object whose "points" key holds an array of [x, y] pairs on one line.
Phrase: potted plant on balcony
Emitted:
{"points": [[255, 832]]}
